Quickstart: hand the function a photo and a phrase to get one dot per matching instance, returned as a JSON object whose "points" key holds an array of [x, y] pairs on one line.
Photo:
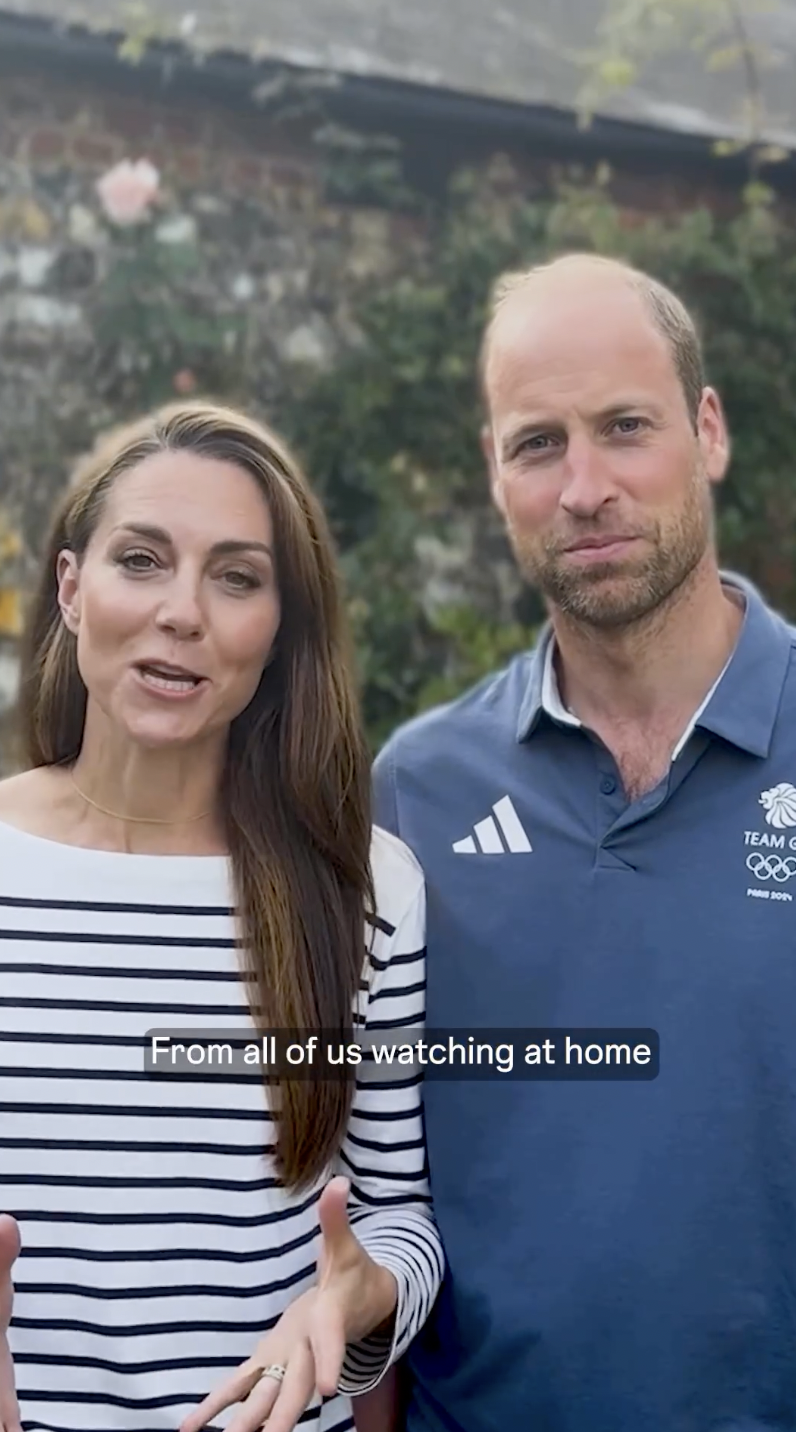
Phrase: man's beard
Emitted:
{"points": [[620, 593]]}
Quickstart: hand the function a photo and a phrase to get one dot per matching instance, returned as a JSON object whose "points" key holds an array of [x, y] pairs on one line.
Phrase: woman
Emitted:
{"points": [[190, 849]]}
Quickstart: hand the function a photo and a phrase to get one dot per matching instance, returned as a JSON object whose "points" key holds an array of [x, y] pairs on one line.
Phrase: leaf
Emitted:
{"points": [[133, 48], [617, 71], [22, 218], [632, 34], [724, 58], [725, 148], [142, 27], [10, 611], [757, 195], [773, 154], [10, 543]]}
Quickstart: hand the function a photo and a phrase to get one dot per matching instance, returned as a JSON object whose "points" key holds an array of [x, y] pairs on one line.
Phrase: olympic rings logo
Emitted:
{"points": [[771, 867]]}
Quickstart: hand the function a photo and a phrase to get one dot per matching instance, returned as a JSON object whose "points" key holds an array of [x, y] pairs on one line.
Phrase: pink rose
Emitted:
{"points": [[128, 190], [184, 382]]}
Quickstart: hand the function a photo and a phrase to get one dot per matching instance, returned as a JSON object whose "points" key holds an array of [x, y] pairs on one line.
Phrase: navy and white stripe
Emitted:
{"points": [[158, 1246]]}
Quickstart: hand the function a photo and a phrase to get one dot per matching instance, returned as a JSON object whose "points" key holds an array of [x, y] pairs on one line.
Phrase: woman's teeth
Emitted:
{"points": [[168, 683]]}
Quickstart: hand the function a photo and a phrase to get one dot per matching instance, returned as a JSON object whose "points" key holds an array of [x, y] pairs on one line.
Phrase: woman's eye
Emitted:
{"points": [[242, 581], [137, 561]]}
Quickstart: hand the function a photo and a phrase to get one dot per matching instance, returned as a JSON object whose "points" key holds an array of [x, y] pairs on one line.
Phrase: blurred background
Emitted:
{"points": [[300, 207]]}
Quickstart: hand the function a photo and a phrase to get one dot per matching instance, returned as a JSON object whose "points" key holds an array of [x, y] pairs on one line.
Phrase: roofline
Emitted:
{"points": [[492, 122]]}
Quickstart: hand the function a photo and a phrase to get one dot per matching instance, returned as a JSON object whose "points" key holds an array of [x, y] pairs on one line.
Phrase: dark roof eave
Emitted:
{"points": [[232, 77]]}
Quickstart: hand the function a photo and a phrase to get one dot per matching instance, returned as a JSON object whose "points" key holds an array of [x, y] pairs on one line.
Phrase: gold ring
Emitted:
{"points": [[275, 1371]]}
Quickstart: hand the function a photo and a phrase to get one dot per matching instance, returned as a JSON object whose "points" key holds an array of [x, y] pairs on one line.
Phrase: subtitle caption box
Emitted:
{"points": [[625, 1055]]}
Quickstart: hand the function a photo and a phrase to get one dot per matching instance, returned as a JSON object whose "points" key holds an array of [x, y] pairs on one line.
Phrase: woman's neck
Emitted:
{"points": [[135, 798]]}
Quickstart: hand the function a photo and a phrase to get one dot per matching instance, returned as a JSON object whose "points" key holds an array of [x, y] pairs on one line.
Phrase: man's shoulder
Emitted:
{"points": [[774, 655], [789, 629], [489, 710], [785, 722]]}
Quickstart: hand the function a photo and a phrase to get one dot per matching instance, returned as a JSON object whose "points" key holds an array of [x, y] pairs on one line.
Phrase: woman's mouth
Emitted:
{"points": [[169, 680]]}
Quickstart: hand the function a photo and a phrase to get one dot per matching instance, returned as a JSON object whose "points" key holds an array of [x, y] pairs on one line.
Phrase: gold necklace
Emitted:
{"points": [[136, 819]]}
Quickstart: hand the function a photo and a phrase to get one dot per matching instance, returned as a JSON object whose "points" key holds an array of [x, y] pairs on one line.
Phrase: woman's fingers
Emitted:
{"points": [[327, 1343], [262, 1399], [280, 1402], [10, 1423], [257, 1407], [295, 1393], [233, 1390], [9, 1408]]}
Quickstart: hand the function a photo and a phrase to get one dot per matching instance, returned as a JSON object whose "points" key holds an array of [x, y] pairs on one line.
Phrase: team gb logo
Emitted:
{"points": [[780, 805]]}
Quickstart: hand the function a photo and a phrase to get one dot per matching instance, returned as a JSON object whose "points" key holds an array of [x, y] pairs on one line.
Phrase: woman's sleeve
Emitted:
{"points": [[384, 1154]]}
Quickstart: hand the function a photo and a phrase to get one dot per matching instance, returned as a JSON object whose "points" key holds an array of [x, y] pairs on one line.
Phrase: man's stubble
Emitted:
{"points": [[611, 595]]}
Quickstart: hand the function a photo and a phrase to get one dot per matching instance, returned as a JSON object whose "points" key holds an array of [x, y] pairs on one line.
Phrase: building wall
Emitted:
{"points": [[281, 265]]}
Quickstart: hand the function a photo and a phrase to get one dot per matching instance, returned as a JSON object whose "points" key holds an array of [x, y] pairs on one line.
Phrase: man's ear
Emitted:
{"points": [[68, 578], [488, 449], [713, 435]]}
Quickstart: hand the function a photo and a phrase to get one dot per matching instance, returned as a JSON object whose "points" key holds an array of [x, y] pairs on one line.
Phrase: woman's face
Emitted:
{"points": [[175, 605]]}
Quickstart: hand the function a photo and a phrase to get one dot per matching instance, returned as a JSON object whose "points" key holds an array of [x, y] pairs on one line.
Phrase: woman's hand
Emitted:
{"points": [[9, 1251], [353, 1297]]}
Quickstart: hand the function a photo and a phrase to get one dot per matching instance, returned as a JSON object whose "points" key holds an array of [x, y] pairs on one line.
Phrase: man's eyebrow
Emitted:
{"points": [[222, 549], [628, 406]]}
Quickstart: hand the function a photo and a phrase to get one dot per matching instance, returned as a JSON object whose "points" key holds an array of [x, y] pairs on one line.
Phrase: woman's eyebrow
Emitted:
{"points": [[159, 534]]}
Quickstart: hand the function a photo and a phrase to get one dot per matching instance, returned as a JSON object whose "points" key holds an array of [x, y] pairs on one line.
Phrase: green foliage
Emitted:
{"points": [[634, 36], [142, 28], [155, 316], [392, 435], [360, 168]]}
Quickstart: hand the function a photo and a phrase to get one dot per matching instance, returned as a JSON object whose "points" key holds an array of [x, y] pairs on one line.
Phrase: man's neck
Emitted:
{"points": [[642, 685]]}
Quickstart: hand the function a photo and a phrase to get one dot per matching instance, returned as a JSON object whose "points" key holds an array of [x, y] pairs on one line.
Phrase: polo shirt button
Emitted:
{"points": [[607, 785]]}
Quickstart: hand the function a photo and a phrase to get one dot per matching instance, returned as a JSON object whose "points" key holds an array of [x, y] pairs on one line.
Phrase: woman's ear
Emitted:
{"points": [[68, 577]]}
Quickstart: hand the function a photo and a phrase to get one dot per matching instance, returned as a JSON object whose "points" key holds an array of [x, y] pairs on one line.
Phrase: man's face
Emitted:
{"points": [[596, 465]]}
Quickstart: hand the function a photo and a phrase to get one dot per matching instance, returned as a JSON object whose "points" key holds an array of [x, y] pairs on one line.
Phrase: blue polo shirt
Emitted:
{"points": [[621, 1255]]}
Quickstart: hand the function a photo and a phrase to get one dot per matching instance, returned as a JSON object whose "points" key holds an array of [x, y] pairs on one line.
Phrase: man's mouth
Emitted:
{"points": [[600, 544]]}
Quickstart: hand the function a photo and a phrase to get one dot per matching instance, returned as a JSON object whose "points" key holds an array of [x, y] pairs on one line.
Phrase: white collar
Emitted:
{"points": [[555, 708]]}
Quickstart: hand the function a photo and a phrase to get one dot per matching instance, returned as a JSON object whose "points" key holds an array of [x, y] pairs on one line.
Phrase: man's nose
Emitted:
{"points": [[588, 483]]}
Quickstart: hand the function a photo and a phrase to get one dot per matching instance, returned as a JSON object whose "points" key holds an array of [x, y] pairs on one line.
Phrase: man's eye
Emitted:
{"points": [[539, 442], [628, 426]]}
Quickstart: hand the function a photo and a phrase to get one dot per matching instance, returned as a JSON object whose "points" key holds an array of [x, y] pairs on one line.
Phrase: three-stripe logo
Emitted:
{"points": [[486, 837]]}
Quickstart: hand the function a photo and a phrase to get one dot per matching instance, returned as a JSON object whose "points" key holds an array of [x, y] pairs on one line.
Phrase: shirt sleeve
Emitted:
{"points": [[384, 1153]]}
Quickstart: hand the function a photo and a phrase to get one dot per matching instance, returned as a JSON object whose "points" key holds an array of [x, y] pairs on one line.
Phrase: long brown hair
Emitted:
{"points": [[295, 792]]}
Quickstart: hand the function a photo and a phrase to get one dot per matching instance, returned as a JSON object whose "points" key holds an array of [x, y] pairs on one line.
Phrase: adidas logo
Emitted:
{"points": [[486, 838]]}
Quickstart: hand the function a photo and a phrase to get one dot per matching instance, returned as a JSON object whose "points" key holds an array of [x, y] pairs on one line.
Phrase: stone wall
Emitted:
{"points": [[266, 261], [279, 266]]}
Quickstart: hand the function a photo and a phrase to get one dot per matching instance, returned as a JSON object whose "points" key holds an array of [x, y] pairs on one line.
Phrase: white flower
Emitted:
{"points": [[128, 190]]}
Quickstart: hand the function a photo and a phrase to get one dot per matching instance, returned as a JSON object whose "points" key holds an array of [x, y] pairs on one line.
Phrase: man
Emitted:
{"points": [[608, 831]]}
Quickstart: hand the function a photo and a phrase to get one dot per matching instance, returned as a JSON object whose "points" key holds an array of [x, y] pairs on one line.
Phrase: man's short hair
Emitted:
{"points": [[667, 311]]}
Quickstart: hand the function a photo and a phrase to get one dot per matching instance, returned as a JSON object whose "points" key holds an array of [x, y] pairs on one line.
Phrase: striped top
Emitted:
{"points": [[158, 1245]]}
